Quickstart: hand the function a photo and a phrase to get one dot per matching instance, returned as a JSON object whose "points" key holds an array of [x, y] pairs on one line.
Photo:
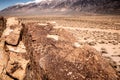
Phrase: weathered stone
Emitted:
{"points": [[55, 37], [18, 49], [60, 60], [113, 42], [12, 21], [12, 63], [4, 57], [17, 66], [12, 31], [76, 44], [92, 43], [5, 77], [54, 55], [103, 51], [2, 25], [13, 37], [63, 35]]}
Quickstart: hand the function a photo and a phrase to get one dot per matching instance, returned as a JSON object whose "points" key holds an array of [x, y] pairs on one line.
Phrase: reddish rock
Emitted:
{"points": [[2, 25], [60, 60]]}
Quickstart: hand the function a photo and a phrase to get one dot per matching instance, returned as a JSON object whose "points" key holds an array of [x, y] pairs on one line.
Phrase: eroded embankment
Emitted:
{"points": [[41, 52]]}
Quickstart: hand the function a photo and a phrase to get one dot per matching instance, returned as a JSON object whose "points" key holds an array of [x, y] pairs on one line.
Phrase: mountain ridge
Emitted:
{"points": [[65, 7]]}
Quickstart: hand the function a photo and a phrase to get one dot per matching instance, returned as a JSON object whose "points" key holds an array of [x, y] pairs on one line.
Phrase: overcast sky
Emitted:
{"points": [[6, 3]]}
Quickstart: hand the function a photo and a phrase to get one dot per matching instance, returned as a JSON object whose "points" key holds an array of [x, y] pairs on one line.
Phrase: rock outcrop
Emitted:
{"points": [[58, 59], [12, 51], [41, 52], [2, 25]]}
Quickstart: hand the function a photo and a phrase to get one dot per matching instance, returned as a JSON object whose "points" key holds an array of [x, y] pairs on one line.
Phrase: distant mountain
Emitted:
{"points": [[64, 7]]}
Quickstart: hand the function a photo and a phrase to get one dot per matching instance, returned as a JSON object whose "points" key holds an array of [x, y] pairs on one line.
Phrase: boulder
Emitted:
{"points": [[13, 37], [4, 57], [12, 21], [12, 31], [12, 60], [17, 66]]}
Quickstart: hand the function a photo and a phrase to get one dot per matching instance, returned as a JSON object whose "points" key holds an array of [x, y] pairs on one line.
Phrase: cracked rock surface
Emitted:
{"points": [[12, 51], [40, 52], [59, 59]]}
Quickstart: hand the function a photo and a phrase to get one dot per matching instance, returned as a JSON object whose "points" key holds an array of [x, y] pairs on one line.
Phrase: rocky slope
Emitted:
{"points": [[65, 7], [40, 52]]}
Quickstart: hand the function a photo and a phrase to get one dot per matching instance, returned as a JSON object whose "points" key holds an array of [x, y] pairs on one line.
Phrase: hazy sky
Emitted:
{"points": [[6, 3]]}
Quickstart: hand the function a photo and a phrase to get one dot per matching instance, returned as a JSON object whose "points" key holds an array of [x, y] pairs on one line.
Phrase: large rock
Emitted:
{"points": [[12, 31], [12, 58], [59, 60], [2, 25], [14, 35], [12, 21], [20, 48], [4, 56], [17, 66]]}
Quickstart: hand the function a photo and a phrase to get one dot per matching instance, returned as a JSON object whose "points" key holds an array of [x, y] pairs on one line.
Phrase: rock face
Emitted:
{"points": [[16, 66], [14, 36], [2, 25], [52, 59], [12, 32], [3, 55], [12, 58]]}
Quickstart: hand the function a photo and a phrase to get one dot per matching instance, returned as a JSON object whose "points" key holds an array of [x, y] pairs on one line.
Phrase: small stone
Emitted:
{"points": [[55, 37], [69, 73], [101, 42], [113, 42], [104, 51], [76, 44], [93, 43]]}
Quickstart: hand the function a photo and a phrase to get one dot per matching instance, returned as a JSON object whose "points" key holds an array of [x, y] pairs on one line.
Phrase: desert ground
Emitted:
{"points": [[100, 32], [69, 33]]}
